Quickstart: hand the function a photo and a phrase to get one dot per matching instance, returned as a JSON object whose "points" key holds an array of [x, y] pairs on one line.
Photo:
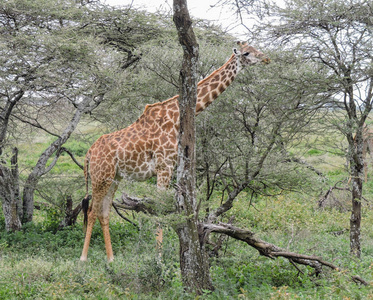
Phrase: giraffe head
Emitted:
{"points": [[248, 55]]}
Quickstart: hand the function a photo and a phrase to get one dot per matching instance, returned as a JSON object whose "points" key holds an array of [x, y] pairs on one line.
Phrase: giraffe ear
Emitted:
{"points": [[235, 51]]}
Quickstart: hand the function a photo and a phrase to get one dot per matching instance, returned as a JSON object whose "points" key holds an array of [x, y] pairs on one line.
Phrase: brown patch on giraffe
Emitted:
{"points": [[139, 127], [138, 147], [120, 154], [214, 86], [221, 88], [174, 106], [131, 164], [163, 139], [130, 146], [171, 114], [144, 167], [204, 91], [167, 127], [199, 107], [134, 155], [206, 99], [146, 124]]}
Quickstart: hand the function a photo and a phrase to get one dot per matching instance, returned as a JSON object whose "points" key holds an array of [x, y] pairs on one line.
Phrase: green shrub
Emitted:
{"points": [[315, 152]]}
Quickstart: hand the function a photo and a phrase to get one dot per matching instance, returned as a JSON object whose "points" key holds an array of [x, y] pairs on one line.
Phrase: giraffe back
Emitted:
{"points": [[137, 151]]}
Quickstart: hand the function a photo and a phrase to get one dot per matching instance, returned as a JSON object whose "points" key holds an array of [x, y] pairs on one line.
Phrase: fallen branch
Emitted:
{"points": [[270, 250], [133, 203], [266, 249]]}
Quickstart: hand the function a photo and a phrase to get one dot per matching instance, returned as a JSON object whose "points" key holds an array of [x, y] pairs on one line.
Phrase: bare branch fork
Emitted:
{"points": [[330, 194], [266, 249]]}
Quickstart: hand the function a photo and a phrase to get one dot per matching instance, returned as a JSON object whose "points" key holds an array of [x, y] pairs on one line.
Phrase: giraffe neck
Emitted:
{"points": [[216, 83]]}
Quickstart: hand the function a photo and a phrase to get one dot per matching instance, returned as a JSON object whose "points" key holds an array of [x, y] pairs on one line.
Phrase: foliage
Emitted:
{"points": [[37, 263], [279, 203], [58, 64], [337, 36]]}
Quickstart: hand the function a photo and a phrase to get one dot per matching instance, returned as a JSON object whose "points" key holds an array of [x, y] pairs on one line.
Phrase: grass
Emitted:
{"points": [[39, 264], [42, 263]]}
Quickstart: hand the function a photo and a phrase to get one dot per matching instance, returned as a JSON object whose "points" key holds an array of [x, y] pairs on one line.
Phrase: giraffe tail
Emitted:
{"points": [[85, 208], [85, 201]]}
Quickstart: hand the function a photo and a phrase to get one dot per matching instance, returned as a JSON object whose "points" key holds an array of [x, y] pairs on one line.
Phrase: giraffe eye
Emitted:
{"points": [[246, 54]]}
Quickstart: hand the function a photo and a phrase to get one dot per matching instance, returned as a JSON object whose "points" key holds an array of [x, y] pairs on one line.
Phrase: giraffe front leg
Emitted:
{"points": [[164, 178], [104, 221], [163, 182]]}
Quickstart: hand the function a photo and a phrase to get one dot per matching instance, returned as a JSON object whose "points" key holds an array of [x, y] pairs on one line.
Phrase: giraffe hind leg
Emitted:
{"points": [[100, 207], [90, 222], [103, 217]]}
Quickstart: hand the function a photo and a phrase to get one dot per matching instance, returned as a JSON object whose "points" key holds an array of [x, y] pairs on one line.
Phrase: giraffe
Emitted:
{"points": [[148, 147]]}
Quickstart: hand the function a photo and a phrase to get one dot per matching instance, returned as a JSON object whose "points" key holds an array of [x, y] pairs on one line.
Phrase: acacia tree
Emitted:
{"points": [[337, 35], [259, 120], [244, 140], [243, 146], [57, 64]]}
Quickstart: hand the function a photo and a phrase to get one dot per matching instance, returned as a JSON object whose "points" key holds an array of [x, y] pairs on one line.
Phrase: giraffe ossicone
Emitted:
{"points": [[148, 147]]}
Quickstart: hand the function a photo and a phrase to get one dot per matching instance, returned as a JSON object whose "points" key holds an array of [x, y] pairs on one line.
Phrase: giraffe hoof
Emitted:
{"points": [[83, 258]]}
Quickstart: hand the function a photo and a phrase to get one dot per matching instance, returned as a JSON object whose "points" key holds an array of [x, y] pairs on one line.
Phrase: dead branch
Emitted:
{"points": [[329, 194], [358, 279], [266, 249], [270, 250], [133, 203], [219, 243], [123, 217]]}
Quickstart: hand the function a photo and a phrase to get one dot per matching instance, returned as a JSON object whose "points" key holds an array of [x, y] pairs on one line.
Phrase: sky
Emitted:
{"points": [[204, 9]]}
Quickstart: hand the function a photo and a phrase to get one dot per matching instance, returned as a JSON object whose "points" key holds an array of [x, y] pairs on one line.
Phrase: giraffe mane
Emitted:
{"points": [[216, 71], [149, 106]]}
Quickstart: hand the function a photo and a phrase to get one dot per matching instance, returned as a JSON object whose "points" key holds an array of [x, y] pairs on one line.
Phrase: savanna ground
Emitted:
{"points": [[42, 263]]}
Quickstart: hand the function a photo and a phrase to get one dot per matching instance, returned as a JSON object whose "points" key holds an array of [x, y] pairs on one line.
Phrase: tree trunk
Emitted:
{"points": [[357, 168], [193, 262], [9, 193], [70, 213], [41, 166]]}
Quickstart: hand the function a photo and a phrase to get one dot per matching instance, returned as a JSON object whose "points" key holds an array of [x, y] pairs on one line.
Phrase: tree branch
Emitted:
{"points": [[270, 250], [63, 149], [136, 204], [123, 217]]}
